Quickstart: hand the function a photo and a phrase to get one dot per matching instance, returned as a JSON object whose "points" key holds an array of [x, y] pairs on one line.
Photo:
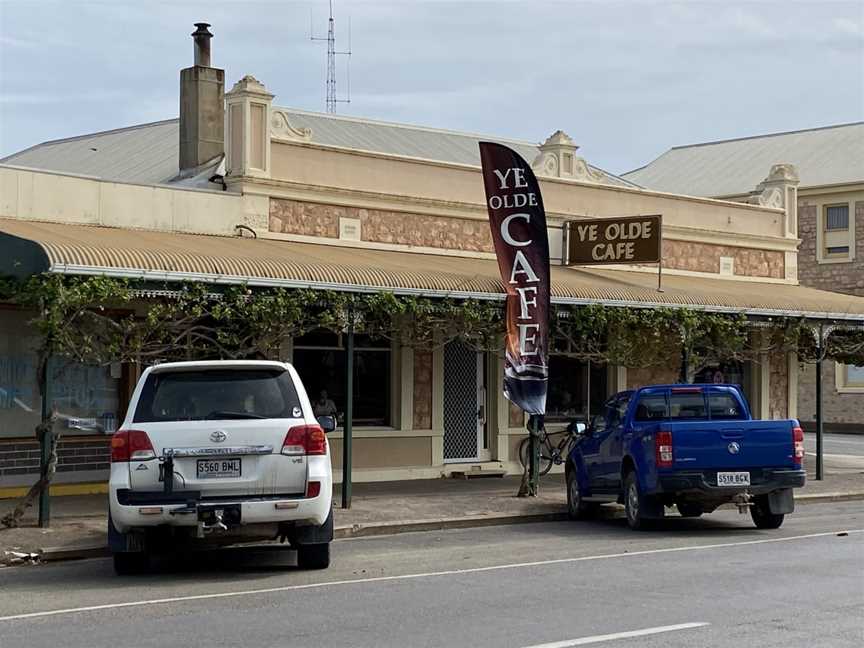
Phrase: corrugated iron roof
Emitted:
{"points": [[823, 156], [27, 247], [144, 154], [149, 153]]}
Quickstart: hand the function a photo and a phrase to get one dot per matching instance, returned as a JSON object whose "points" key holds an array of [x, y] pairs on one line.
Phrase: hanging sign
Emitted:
{"points": [[518, 225], [634, 239]]}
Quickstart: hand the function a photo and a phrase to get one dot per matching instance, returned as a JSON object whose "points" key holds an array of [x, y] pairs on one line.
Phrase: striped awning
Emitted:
{"points": [[29, 248]]}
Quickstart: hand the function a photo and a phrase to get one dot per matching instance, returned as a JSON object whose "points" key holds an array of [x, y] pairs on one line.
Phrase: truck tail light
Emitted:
{"points": [[798, 446], [131, 445], [663, 448], [305, 440]]}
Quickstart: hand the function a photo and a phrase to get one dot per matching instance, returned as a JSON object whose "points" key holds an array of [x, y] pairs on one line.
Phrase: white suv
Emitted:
{"points": [[216, 453]]}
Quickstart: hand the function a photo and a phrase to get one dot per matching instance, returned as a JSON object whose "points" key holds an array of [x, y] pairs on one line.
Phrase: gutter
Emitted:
{"points": [[167, 275]]}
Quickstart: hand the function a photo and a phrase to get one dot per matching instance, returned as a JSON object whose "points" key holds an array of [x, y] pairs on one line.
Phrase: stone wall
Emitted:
{"points": [[472, 235], [379, 226], [839, 411], [639, 377], [702, 257], [837, 277], [422, 390], [778, 386]]}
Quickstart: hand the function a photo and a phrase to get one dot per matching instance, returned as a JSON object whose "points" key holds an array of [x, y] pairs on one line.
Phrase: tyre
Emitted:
{"points": [[762, 516], [545, 463], [313, 556], [636, 504], [131, 563], [689, 509], [577, 508]]}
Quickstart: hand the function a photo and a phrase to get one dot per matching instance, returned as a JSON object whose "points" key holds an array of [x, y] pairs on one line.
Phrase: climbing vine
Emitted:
{"points": [[99, 320]]}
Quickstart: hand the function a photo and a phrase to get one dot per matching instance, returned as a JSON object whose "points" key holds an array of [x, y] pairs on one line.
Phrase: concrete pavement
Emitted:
{"points": [[514, 586]]}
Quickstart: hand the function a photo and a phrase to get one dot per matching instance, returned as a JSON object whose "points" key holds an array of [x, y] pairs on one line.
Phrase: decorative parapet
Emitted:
{"points": [[558, 159], [281, 129], [780, 191], [247, 128]]}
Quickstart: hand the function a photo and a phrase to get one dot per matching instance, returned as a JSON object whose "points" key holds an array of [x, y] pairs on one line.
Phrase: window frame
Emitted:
{"points": [[395, 380], [822, 254], [841, 380]]}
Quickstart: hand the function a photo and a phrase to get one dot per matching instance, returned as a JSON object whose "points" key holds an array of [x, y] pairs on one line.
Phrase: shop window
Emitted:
{"points": [[84, 398], [577, 389], [321, 360], [836, 233], [850, 378]]}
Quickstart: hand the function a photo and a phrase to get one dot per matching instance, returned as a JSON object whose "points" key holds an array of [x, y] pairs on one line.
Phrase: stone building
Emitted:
{"points": [[827, 167], [308, 200]]}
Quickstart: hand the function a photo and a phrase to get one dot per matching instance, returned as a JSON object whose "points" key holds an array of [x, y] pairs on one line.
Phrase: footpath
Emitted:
{"points": [[79, 522]]}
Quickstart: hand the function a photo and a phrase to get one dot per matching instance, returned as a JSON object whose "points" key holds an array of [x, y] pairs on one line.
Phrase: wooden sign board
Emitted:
{"points": [[632, 239]]}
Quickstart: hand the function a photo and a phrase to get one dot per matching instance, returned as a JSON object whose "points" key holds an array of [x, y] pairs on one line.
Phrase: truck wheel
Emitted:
{"points": [[313, 556], [635, 504], [577, 508], [689, 509], [762, 516], [131, 563]]}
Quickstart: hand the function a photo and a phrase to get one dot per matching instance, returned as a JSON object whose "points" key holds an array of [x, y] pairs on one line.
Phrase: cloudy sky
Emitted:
{"points": [[625, 79]]}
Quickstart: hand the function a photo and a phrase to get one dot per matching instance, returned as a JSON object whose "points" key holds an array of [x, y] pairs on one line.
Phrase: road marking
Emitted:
{"points": [[584, 641], [450, 572]]}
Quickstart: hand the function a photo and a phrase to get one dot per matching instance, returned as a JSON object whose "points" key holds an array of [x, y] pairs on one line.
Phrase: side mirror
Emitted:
{"points": [[577, 427], [327, 423]]}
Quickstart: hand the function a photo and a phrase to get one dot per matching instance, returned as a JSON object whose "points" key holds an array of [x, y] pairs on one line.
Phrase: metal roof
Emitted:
{"points": [[145, 154], [823, 156], [28, 247], [149, 153]]}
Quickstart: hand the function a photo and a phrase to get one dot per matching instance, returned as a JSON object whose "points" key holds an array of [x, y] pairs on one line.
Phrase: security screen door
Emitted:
{"points": [[464, 403]]}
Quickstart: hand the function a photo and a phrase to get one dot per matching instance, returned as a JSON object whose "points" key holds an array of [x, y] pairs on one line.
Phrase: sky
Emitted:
{"points": [[626, 80]]}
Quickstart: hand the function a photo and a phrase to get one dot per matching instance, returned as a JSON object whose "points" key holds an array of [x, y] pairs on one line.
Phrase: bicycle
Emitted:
{"points": [[551, 453]]}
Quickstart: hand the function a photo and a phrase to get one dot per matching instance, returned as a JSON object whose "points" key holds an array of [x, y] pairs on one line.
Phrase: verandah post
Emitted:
{"points": [[347, 428]]}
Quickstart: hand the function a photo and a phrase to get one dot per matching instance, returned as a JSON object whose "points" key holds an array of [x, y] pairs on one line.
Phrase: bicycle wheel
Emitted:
{"points": [[545, 464]]}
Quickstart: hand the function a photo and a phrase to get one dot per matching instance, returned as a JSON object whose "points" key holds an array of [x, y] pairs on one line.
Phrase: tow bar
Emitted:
{"points": [[743, 501]]}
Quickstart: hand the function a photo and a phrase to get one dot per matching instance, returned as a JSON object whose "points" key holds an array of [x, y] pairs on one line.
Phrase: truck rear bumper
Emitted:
{"points": [[705, 482]]}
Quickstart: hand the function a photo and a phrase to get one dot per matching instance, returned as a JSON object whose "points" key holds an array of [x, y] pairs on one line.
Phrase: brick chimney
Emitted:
{"points": [[202, 106]]}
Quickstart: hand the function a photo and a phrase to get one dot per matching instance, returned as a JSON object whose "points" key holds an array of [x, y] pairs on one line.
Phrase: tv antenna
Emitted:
{"points": [[331, 59]]}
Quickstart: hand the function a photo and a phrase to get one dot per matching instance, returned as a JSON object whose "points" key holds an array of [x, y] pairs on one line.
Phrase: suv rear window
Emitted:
{"points": [[217, 394]]}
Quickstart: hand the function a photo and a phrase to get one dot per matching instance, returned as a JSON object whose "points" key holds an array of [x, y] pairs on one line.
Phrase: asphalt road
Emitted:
{"points": [[716, 581], [838, 444]]}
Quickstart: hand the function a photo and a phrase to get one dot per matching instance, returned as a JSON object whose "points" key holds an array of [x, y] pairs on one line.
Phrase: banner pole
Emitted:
{"points": [[534, 450]]}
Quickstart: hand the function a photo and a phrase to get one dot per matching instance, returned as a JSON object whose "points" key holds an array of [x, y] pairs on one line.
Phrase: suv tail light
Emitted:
{"points": [[798, 446], [305, 440], [663, 448], [131, 445]]}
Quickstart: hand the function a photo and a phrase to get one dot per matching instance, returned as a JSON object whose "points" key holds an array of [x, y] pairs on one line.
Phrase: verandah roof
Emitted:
{"points": [[28, 248]]}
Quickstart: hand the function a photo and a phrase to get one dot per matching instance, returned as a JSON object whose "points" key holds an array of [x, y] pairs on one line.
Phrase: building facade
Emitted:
{"points": [[307, 200], [829, 168]]}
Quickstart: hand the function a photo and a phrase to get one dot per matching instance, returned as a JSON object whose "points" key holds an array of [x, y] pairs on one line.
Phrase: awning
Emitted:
{"points": [[28, 248]]}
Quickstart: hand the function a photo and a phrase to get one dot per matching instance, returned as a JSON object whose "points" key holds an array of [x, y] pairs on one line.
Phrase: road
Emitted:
{"points": [[716, 581], [838, 444]]}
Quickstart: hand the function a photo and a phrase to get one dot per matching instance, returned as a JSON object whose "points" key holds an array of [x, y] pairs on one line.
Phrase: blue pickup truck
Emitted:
{"points": [[692, 446]]}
